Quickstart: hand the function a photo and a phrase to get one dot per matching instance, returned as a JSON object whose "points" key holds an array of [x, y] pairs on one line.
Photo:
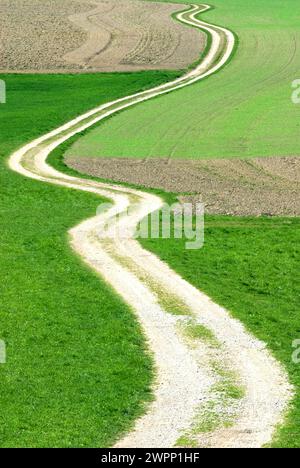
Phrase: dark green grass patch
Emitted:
{"points": [[77, 373]]}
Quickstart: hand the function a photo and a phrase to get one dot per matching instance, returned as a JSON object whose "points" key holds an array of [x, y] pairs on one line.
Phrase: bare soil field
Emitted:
{"points": [[35, 34], [94, 36], [246, 187]]}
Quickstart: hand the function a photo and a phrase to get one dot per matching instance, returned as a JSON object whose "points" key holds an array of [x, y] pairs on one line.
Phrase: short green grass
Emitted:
{"points": [[77, 372], [243, 111], [68, 380], [250, 266], [196, 331]]}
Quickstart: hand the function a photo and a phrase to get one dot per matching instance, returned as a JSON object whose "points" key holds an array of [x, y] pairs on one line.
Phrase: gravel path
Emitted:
{"points": [[185, 374]]}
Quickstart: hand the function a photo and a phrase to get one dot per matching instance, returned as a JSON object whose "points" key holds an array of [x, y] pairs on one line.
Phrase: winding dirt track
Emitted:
{"points": [[185, 374]]}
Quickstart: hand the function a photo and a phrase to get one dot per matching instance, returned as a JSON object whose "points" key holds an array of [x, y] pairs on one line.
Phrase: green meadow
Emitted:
{"points": [[243, 111], [77, 372]]}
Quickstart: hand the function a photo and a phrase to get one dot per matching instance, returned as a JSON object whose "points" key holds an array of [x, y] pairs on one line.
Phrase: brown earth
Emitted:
{"points": [[35, 34], [260, 186], [94, 35]]}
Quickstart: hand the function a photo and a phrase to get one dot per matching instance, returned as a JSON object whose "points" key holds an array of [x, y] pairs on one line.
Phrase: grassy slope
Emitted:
{"points": [[237, 113], [32, 394], [251, 266], [76, 373]]}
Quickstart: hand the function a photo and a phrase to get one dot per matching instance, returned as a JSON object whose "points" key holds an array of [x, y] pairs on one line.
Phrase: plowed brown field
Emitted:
{"points": [[94, 35], [259, 186]]}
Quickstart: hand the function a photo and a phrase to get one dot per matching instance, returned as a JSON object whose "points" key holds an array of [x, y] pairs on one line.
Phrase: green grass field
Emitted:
{"points": [[77, 373], [250, 266], [243, 111]]}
